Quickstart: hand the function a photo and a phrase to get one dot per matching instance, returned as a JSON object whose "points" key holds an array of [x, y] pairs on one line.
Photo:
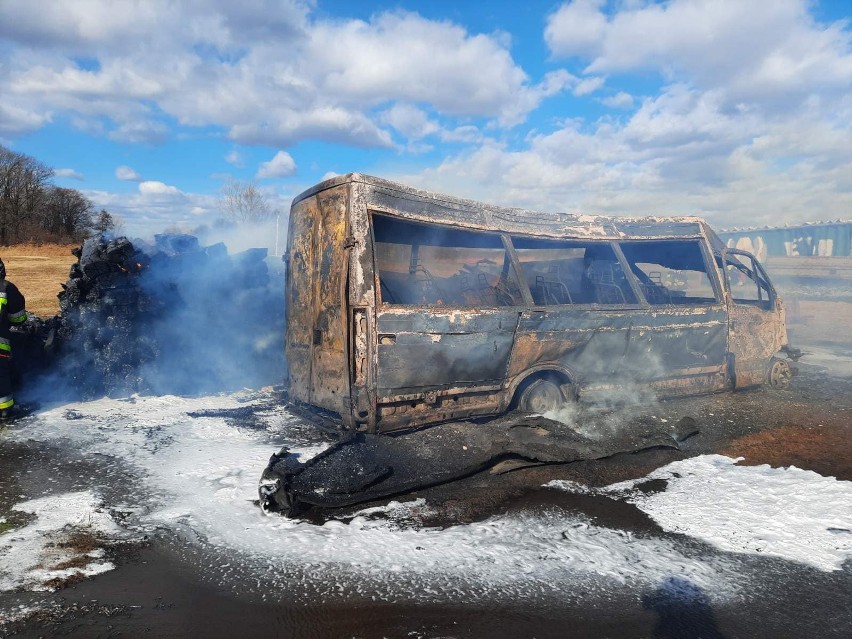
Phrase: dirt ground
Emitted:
{"points": [[39, 272]]}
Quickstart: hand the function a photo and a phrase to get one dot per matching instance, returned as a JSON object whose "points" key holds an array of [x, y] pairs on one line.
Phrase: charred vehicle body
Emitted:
{"points": [[407, 308]]}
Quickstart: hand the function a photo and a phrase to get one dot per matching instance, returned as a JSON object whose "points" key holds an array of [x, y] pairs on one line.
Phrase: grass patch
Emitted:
{"points": [[39, 272]]}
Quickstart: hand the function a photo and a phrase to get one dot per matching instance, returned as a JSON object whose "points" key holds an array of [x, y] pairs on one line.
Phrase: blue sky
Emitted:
{"points": [[737, 110]]}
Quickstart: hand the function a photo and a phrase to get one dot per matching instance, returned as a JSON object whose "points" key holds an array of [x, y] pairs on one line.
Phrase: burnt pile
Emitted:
{"points": [[171, 317]]}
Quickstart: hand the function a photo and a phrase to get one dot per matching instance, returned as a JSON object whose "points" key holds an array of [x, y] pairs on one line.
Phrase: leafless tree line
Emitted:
{"points": [[33, 209], [244, 202]]}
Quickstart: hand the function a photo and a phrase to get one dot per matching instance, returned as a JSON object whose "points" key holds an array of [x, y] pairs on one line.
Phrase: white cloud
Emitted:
{"points": [[127, 173], [69, 173], [156, 206], [756, 53], [576, 27], [412, 122], [682, 152], [19, 120], [588, 85], [150, 132], [234, 158], [465, 133], [752, 126], [155, 189], [620, 100], [268, 73], [331, 124], [281, 165], [404, 56]]}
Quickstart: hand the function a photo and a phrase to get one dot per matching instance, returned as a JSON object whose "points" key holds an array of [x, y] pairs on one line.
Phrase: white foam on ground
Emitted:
{"points": [[32, 555], [200, 476], [790, 513]]}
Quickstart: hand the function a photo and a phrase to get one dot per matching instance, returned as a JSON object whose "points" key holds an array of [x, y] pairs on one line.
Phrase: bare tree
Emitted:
{"points": [[244, 202], [23, 189], [66, 213]]}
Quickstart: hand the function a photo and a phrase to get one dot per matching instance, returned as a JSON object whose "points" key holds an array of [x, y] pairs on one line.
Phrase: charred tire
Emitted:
{"points": [[541, 396], [779, 374]]}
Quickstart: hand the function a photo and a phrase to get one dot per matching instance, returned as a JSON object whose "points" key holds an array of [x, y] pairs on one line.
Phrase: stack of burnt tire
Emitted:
{"points": [[98, 330], [167, 317]]}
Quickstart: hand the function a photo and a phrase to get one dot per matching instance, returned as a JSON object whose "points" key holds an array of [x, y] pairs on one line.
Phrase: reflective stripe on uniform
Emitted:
{"points": [[5, 345], [17, 318], [6, 402]]}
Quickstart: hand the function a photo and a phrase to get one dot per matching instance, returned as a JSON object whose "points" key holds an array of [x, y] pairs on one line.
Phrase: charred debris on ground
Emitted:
{"points": [[168, 317]]}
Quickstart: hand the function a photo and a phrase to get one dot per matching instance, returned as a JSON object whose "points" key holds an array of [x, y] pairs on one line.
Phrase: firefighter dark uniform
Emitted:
{"points": [[11, 312]]}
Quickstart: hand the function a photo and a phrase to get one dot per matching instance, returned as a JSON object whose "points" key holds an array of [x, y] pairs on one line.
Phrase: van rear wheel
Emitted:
{"points": [[542, 396], [779, 374]]}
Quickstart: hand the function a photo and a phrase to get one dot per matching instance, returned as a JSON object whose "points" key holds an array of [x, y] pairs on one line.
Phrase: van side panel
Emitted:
{"points": [[329, 370], [432, 348]]}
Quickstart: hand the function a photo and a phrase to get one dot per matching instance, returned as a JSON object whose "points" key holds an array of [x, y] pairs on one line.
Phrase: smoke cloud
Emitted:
{"points": [[166, 317]]}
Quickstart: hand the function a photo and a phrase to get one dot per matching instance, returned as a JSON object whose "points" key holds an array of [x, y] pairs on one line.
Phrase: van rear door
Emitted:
{"points": [[316, 302]]}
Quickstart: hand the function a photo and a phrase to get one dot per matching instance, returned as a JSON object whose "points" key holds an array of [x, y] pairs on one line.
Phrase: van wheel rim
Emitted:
{"points": [[779, 374], [541, 397]]}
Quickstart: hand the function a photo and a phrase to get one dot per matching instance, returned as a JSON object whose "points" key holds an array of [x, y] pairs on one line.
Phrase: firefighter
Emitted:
{"points": [[11, 312]]}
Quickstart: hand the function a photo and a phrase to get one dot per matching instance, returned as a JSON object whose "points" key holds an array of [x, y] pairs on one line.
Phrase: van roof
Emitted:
{"points": [[426, 206]]}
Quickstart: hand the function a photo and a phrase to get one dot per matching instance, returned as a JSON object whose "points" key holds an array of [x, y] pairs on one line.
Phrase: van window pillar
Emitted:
{"points": [[629, 275], [516, 264], [713, 272]]}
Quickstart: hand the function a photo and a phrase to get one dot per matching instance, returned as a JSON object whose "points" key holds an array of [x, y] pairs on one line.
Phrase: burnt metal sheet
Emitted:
{"points": [[300, 297], [756, 335], [426, 206], [428, 348], [365, 467], [329, 369], [631, 342]]}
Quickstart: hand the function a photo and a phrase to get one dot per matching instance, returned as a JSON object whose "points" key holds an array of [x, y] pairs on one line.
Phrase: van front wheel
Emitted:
{"points": [[540, 397]]}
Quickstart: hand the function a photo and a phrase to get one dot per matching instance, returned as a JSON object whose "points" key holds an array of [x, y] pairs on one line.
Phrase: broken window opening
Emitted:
{"points": [[431, 265], [572, 272], [748, 285], [671, 272]]}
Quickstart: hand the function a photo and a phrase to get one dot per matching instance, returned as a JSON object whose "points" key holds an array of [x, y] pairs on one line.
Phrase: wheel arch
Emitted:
{"points": [[559, 374]]}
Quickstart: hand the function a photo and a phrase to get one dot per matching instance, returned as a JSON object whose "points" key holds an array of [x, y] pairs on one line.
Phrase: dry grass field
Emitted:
{"points": [[39, 271]]}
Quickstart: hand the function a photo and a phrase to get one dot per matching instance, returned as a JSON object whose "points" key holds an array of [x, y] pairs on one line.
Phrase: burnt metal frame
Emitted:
{"points": [[756, 273], [526, 295], [367, 195]]}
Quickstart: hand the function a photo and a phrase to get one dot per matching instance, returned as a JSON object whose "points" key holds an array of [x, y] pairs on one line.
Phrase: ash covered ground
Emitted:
{"points": [[137, 515]]}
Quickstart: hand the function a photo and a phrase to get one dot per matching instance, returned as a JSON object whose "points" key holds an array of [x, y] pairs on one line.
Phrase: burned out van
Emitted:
{"points": [[406, 307]]}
